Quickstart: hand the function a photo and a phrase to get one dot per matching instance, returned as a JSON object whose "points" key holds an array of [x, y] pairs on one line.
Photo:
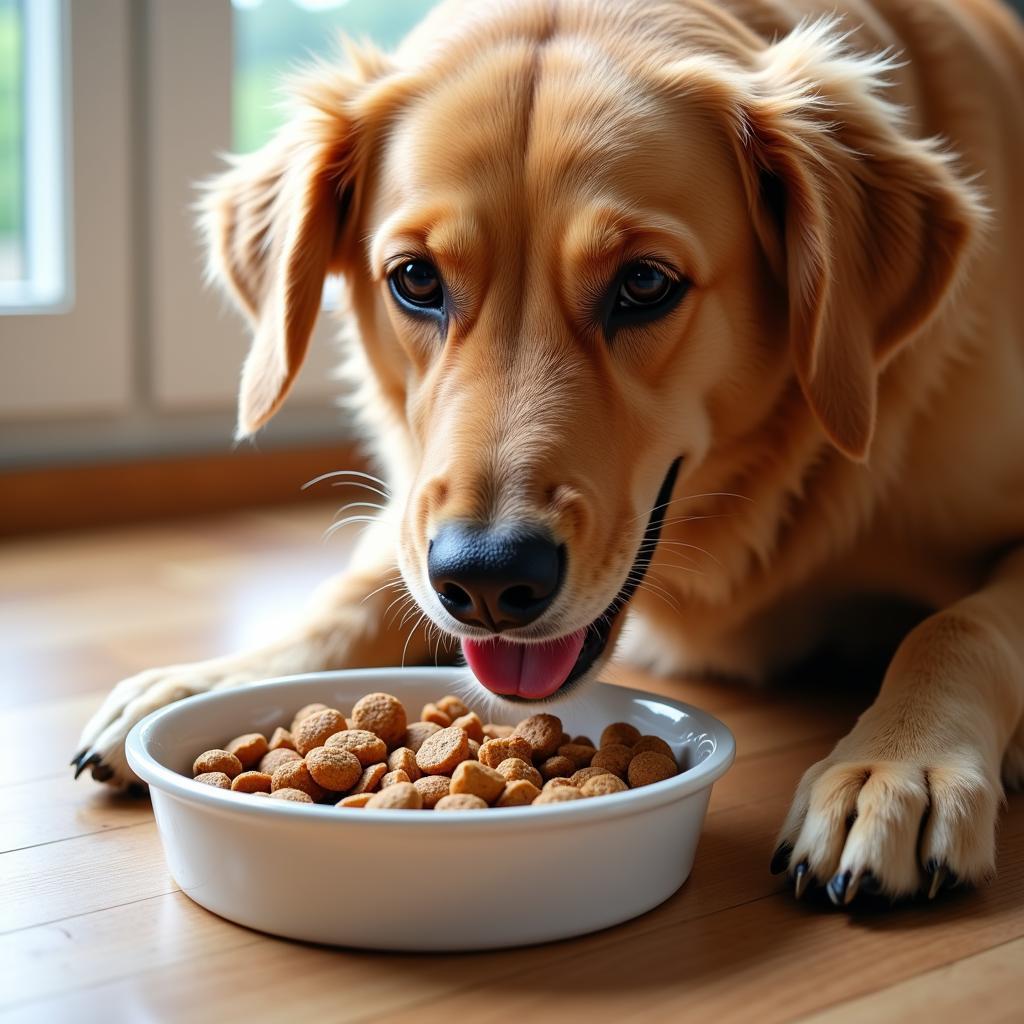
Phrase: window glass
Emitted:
{"points": [[12, 202], [272, 37]]}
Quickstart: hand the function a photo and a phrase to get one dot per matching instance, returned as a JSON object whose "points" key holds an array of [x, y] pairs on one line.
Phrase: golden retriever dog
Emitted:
{"points": [[631, 280]]}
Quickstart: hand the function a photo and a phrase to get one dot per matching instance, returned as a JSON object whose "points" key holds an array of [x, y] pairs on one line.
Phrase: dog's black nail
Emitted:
{"points": [[837, 888], [102, 772], [938, 879], [86, 762], [801, 879], [78, 757], [780, 859]]}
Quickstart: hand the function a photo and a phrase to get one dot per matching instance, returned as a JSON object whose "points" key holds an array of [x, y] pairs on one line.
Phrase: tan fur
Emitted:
{"points": [[845, 380]]}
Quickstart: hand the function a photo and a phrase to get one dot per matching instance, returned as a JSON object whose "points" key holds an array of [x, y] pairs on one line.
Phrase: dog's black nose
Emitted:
{"points": [[496, 578]]}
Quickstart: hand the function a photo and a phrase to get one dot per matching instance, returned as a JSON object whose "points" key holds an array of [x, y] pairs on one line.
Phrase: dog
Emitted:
{"points": [[708, 315]]}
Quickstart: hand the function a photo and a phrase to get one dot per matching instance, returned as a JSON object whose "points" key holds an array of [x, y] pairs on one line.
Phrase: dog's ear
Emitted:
{"points": [[867, 226], [873, 223], [276, 224]]}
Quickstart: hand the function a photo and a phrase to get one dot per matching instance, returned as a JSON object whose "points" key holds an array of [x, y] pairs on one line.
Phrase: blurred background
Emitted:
{"points": [[118, 369]]}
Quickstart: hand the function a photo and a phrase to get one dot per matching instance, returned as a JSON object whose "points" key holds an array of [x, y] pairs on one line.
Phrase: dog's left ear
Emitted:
{"points": [[867, 226]]}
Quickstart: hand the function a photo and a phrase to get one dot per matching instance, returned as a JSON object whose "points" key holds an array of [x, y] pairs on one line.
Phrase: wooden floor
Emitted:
{"points": [[92, 926]]}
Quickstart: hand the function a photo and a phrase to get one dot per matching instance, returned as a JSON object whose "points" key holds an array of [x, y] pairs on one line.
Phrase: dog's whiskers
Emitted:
{"points": [[691, 497], [347, 472]]}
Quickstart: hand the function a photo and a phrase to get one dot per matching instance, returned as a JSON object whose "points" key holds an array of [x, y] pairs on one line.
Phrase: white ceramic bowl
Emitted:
{"points": [[409, 880]]}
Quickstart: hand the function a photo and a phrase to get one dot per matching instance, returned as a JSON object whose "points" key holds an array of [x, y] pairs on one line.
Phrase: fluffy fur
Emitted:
{"points": [[844, 378]]}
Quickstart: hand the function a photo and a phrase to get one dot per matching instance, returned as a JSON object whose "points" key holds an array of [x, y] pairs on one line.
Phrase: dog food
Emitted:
{"points": [[449, 760]]}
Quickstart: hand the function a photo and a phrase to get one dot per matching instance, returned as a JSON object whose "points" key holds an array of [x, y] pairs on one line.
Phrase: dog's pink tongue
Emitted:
{"points": [[534, 671]]}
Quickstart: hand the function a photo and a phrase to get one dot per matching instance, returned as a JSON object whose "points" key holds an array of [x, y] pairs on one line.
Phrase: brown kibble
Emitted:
{"points": [[315, 729], [518, 793], [471, 725], [216, 779], [261, 793], [615, 758], [403, 796], [493, 731], [620, 732], [579, 754], [403, 759], [251, 782], [273, 759], [578, 778], [433, 714], [583, 741], [655, 743], [305, 712], [334, 768], [417, 733], [543, 733], [295, 795], [493, 752], [558, 795], [452, 707], [368, 747], [249, 749], [432, 788], [649, 767], [394, 778], [295, 775], [383, 714], [443, 751], [515, 768], [474, 750], [282, 739], [370, 779], [354, 800], [602, 785], [557, 767], [460, 802], [217, 761], [556, 783], [479, 780]]}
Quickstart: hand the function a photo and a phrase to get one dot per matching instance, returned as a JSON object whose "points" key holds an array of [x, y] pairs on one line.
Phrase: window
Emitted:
{"points": [[33, 179], [274, 36]]}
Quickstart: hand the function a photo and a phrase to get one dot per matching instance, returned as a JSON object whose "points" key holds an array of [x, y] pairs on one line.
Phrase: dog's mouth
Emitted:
{"points": [[536, 671]]}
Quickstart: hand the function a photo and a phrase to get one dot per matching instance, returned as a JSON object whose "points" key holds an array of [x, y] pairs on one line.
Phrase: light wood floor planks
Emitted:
{"points": [[93, 927]]}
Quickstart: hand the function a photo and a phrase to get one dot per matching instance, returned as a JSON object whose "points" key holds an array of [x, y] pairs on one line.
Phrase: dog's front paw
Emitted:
{"points": [[101, 747], [891, 827]]}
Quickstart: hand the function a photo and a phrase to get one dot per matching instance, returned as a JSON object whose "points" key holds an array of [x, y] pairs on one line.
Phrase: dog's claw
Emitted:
{"points": [[84, 761], [939, 877], [78, 757], [780, 859], [839, 888], [801, 879]]}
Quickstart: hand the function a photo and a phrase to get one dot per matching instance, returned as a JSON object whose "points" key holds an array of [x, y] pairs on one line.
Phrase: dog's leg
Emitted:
{"points": [[907, 802], [350, 625]]}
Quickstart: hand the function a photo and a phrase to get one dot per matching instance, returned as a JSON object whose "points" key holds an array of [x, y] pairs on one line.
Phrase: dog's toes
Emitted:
{"points": [[892, 829]]}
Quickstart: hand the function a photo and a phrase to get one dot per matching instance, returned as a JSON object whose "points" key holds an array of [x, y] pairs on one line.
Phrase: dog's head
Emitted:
{"points": [[583, 256]]}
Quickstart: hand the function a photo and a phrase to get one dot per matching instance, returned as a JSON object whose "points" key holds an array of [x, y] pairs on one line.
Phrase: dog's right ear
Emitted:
{"points": [[277, 223]]}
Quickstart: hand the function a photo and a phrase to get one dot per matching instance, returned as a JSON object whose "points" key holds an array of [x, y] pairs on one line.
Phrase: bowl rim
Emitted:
{"points": [[616, 805]]}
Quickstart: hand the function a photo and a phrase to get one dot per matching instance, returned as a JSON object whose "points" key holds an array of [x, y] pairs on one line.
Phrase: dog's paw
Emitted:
{"points": [[101, 746], [895, 828]]}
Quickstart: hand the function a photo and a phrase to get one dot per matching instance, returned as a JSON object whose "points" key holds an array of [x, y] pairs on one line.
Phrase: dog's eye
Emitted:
{"points": [[416, 283], [641, 292], [643, 285]]}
